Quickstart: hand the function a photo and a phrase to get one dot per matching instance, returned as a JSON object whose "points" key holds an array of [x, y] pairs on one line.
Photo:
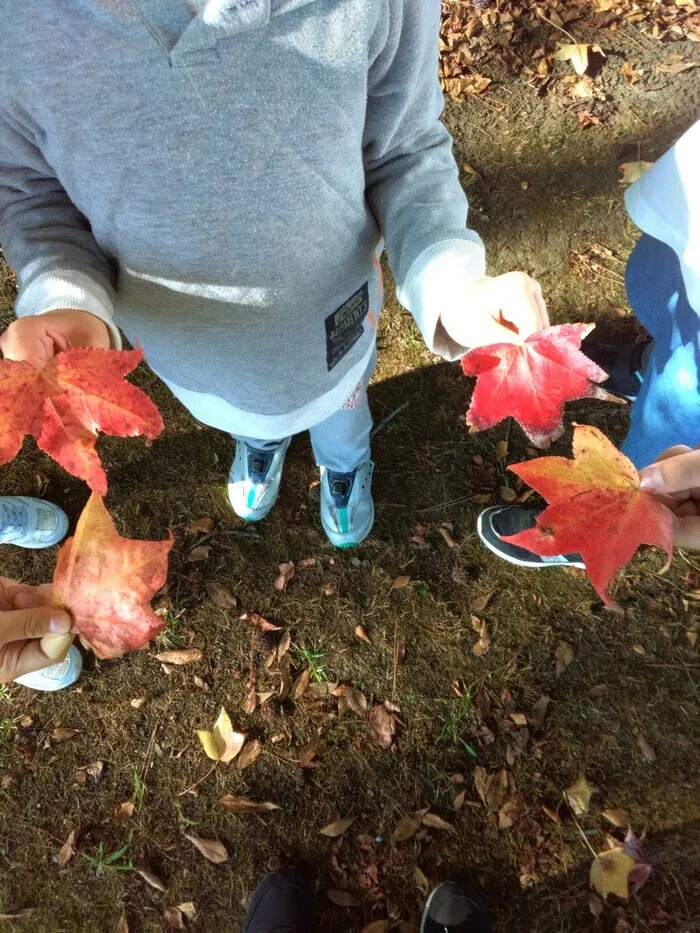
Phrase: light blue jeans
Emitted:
{"points": [[341, 442], [667, 410]]}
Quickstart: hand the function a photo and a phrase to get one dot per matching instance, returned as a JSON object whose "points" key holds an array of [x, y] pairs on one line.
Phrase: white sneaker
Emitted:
{"points": [[254, 480], [58, 676], [31, 523], [347, 508]]}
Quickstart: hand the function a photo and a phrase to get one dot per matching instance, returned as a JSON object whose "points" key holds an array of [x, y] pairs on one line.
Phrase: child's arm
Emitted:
{"points": [[48, 241], [414, 192]]}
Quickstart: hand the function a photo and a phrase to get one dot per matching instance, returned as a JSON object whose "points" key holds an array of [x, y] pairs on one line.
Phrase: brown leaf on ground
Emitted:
{"points": [[479, 603], [329, 590], [199, 553], [124, 812], [67, 850], [150, 878], [511, 811], [600, 690], [188, 909], [350, 699], [122, 926], [632, 171], [306, 563], [222, 743], [211, 849], [250, 754], [484, 642], [284, 645], [458, 802], [507, 494], [421, 882], [309, 753], [257, 621], [618, 817], [610, 873], [539, 710], [138, 702], [409, 826], [285, 575], [383, 726], [251, 701], [446, 531], [377, 926], [173, 918], [62, 735], [401, 582], [203, 526], [342, 898], [337, 827], [220, 595], [563, 655], [433, 821], [179, 657], [645, 748], [201, 684], [362, 634], [492, 788], [301, 684], [520, 719], [95, 770], [285, 681], [243, 805], [501, 450], [578, 796]]}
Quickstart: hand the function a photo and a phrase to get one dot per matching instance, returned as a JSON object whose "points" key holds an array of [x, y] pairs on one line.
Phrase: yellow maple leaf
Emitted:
{"points": [[632, 171], [222, 743], [609, 873]]}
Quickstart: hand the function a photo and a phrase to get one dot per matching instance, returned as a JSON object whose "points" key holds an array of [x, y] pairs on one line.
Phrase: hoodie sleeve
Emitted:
{"points": [[412, 181], [45, 237]]}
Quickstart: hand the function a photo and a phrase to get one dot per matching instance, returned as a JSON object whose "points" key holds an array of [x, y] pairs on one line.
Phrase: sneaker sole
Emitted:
{"points": [[518, 562]]}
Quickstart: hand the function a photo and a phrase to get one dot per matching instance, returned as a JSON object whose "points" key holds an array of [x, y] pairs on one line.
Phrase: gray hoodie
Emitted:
{"points": [[219, 186]]}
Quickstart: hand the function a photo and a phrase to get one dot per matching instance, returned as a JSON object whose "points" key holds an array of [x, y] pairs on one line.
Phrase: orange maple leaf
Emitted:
{"points": [[64, 405], [106, 583], [596, 508]]}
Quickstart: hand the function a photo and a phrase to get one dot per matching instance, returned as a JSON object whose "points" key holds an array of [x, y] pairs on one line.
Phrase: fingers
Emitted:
{"points": [[24, 657], [32, 623], [686, 531], [26, 340], [521, 303], [678, 473], [22, 596]]}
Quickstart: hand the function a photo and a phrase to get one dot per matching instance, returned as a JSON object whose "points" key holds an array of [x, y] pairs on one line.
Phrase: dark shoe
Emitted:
{"points": [[281, 903], [452, 908], [507, 520], [624, 365]]}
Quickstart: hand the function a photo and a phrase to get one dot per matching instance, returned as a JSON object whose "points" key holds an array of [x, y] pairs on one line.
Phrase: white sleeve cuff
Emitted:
{"points": [[68, 289], [436, 280]]}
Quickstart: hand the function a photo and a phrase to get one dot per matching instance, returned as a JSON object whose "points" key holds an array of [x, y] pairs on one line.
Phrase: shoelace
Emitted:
{"points": [[13, 518]]}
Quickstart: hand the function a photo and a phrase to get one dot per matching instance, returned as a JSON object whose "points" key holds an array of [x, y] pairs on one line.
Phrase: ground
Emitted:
{"points": [[623, 713]]}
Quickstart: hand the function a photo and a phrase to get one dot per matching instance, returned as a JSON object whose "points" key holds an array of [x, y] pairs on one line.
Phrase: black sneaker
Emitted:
{"points": [[507, 520], [624, 365], [281, 903], [452, 908]]}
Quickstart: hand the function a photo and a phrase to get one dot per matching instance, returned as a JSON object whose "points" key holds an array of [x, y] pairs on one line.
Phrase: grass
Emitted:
{"points": [[103, 862], [313, 657], [453, 726]]}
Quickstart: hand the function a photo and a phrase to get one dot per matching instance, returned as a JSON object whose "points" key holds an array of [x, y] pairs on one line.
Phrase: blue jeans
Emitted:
{"points": [[667, 410], [341, 442]]}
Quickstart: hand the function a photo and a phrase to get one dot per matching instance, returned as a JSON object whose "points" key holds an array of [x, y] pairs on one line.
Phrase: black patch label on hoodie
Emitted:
{"points": [[344, 326]]}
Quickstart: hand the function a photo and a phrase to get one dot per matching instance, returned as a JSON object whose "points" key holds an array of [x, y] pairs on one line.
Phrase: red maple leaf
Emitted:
{"points": [[596, 508], [107, 582], [64, 405], [531, 381]]}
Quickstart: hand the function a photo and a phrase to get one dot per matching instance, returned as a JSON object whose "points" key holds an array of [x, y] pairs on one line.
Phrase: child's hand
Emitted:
{"points": [[33, 633], [37, 339], [675, 478], [505, 309]]}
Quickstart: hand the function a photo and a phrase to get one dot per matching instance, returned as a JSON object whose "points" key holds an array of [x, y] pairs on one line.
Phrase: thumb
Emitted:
{"points": [[673, 475], [32, 623]]}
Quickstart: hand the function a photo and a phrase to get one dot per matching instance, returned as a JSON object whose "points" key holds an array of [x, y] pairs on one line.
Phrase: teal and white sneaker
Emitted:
{"points": [[31, 523], [347, 508], [58, 676], [254, 481]]}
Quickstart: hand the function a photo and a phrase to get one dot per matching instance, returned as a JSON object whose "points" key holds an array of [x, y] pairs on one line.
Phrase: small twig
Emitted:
{"points": [[385, 421], [678, 888], [251, 680], [561, 29], [445, 505], [198, 542], [583, 835], [197, 783], [396, 658]]}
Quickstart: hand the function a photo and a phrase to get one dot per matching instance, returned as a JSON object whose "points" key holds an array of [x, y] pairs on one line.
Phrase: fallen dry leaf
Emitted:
{"points": [[201, 684], [401, 582], [301, 684], [507, 494], [610, 873], [520, 719], [122, 926], [484, 642], [563, 655], [179, 657], [285, 575], [211, 849], [618, 817], [539, 710], [383, 726], [337, 827], [95, 769], [632, 171], [250, 754], [138, 702], [362, 634], [124, 812], [458, 802], [199, 553], [342, 898], [446, 531], [350, 698], [244, 805], [222, 743], [329, 590], [433, 821], [511, 811], [67, 850], [284, 645], [306, 563], [188, 909], [409, 826], [257, 621], [377, 926], [150, 878], [251, 701], [203, 526], [421, 882], [62, 735], [577, 54], [220, 595], [481, 602], [579, 795], [173, 918], [598, 691], [645, 748]]}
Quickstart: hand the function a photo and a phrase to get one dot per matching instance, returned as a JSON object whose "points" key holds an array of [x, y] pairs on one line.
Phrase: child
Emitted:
{"points": [[28, 622], [660, 375], [219, 179]]}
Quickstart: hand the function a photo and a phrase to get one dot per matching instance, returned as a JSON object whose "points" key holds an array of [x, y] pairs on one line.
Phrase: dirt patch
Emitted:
{"points": [[546, 198]]}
